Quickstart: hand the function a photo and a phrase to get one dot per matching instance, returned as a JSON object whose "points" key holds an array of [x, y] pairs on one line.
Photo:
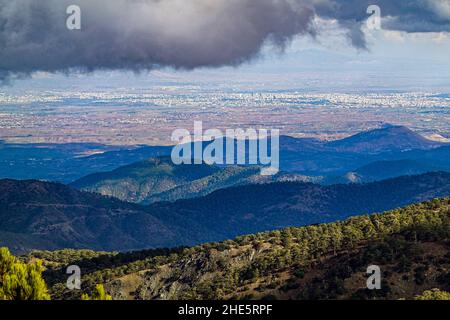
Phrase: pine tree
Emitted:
{"points": [[433, 294], [98, 294], [21, 281], [286, 238]]}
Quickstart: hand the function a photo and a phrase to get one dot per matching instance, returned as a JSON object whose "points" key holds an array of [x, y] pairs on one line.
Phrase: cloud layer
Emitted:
{"points": [[397, 15], [145, 34]]}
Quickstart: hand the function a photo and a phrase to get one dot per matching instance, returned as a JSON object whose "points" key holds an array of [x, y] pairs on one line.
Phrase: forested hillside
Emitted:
{"points": [[43, 215], [158, 179], [254, 208], [327, 261]]}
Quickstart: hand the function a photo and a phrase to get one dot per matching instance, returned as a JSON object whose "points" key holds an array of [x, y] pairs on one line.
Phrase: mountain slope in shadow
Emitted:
{"points": [[387, 138], [35, 214], [254, 208], [304, 156], [42, 215]]}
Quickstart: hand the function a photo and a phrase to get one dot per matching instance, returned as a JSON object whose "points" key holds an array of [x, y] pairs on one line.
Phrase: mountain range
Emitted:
{"points": [[44, 215], [156, 226], [260, 207], [328, 161], [379, 154], [335, 160]]}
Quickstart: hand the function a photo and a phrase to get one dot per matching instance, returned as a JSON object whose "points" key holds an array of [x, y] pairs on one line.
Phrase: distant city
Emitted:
{"points": [[148, 116]]}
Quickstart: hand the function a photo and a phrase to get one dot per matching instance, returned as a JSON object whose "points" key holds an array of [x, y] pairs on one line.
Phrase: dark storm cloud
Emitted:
{"points": [[397, 15], [144, 34]]}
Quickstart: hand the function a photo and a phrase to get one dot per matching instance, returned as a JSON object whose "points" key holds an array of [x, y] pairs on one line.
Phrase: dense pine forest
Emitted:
{"points": [[326, 261]]}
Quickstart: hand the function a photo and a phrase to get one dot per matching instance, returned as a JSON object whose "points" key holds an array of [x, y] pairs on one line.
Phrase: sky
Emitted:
{"points": [[327, 41]]}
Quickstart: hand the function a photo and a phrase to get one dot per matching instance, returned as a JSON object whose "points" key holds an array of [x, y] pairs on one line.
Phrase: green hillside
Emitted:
{"points": [[158, 179], [141, 180], [327, 261]]}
